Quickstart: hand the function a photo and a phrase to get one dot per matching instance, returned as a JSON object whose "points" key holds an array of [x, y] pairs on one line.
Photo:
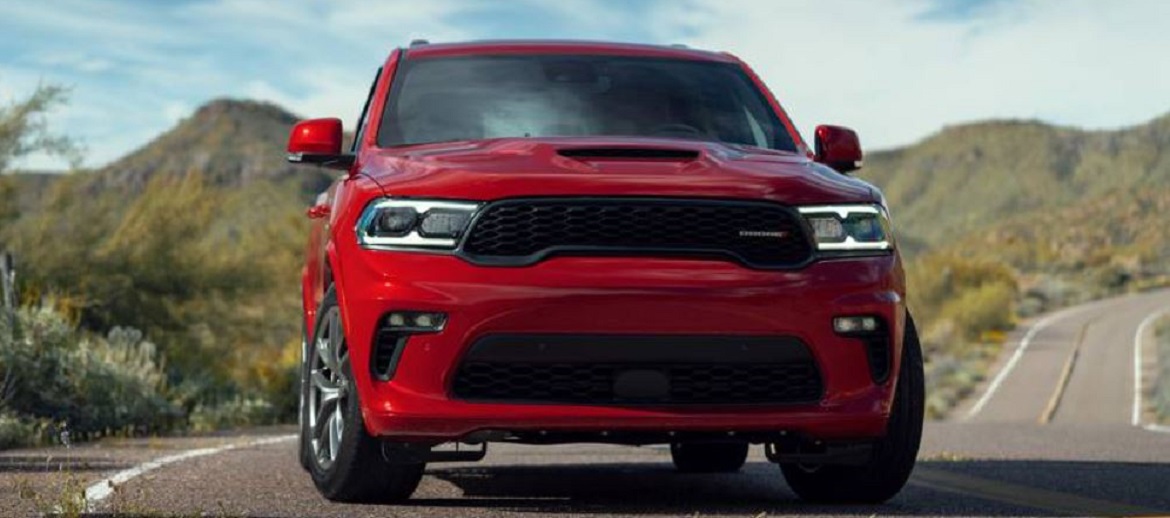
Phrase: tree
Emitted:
{"points": [[24, 130]]}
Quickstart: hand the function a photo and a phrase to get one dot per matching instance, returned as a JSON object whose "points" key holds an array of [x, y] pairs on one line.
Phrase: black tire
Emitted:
{"points": [[359, 472], [893, 456], [303, 451], [708, 457]]}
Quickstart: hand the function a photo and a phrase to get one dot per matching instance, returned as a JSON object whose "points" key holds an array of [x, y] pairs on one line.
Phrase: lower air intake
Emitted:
{"points": [[387, 349], [632, 370]]}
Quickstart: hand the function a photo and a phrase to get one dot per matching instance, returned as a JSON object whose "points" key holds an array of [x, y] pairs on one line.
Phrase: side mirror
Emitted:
{"points": [[318, 141], [838, 147]]}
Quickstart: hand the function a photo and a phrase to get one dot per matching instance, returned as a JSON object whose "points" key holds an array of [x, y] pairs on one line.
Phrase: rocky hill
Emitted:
{"points": [[973, 176], [229, 142]]}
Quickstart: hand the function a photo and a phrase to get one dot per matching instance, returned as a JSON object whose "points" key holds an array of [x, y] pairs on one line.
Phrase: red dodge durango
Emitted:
{"points": [[549, 242]]}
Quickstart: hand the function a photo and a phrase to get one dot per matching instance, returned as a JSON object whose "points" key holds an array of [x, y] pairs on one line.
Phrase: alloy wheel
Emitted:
{"points": [[329, 388]]}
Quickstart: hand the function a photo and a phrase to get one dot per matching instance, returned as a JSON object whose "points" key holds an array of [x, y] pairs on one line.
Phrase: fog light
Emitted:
{"points": [[416, 321], [854, 325]]}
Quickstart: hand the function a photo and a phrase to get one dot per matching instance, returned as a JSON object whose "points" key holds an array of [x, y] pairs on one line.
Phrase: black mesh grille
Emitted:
{"points": [[592, 383], [524, 231], [598, 369]]}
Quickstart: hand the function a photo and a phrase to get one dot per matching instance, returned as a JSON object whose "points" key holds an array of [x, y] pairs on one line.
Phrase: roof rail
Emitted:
{"points": [[415, 43], [679, 46]]}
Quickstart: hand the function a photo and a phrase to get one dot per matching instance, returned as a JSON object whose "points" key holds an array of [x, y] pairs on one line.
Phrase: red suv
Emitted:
{"points": [[553, 242]]}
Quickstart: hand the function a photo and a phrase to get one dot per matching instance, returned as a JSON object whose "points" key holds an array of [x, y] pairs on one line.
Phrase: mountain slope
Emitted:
{"points": [[229, 142], [30, 188], [969, 177], [1102, 242]]}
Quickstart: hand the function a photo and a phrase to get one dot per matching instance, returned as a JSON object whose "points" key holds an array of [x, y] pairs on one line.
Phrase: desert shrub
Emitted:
{"points": [[953, 369], [948, 286], [209, 274], [943, 377], [16, 432], [237, 412], [963, 307], [982, 310], [94, 385]]}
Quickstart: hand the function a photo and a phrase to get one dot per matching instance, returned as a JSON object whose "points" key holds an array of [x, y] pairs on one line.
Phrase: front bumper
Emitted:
{"points": [[623, 296]]}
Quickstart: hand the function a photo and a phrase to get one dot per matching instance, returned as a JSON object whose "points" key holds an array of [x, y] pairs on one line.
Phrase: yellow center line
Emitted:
{"points": [[1065, 374], [1054, 501]]}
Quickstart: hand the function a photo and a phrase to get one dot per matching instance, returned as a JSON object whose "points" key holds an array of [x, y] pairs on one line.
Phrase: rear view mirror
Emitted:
{"points": [[318, 141], [838, 147]]}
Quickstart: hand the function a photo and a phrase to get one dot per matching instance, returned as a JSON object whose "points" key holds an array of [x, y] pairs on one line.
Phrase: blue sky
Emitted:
{"points": [[896, 70]]}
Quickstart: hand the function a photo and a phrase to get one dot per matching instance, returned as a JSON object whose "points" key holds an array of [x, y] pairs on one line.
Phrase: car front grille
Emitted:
{"points": [[633, 370], [524, 231]]}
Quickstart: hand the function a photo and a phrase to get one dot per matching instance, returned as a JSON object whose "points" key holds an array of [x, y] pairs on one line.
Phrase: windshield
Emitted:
{"points": [[468, 98]]}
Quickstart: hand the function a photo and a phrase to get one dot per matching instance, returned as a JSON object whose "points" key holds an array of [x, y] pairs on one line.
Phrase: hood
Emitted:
{"points": [[605, 166]]}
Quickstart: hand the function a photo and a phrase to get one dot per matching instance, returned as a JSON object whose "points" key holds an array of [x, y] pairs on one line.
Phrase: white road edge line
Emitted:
{"points": [[102, 489], [1011, 364], [1136, 419]]}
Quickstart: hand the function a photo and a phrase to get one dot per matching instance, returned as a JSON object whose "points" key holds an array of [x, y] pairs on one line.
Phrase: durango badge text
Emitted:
{"points": [[555, 242], [779, 234]]}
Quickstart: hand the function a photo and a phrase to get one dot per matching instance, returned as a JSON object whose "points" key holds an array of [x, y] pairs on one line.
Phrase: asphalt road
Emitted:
{"points": [[1053, 433]]}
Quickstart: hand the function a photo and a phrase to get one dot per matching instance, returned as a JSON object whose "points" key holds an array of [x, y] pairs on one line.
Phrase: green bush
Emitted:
{"points": [[237, 412], [962, 306], [94, 385], [16, 432], [208, 273], [981, 310]]}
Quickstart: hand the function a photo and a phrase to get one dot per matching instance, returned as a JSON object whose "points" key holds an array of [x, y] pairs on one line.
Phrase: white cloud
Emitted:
{"points": [[176, 111], [331, 51], [73, 59], [882, 68], [328, 93], [111, 20], [896, 70]]}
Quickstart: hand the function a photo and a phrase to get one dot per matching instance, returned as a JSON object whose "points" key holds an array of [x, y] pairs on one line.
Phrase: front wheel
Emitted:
{"points": [[345, 462], [303, 451], [893, 455]]}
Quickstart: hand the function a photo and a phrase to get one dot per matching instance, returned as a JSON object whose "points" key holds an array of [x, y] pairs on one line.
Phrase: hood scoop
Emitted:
{"points": [[629, 153]]}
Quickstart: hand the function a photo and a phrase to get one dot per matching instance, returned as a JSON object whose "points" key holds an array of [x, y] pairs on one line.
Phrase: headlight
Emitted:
{"points": [[402, 223], [846, 229]]}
